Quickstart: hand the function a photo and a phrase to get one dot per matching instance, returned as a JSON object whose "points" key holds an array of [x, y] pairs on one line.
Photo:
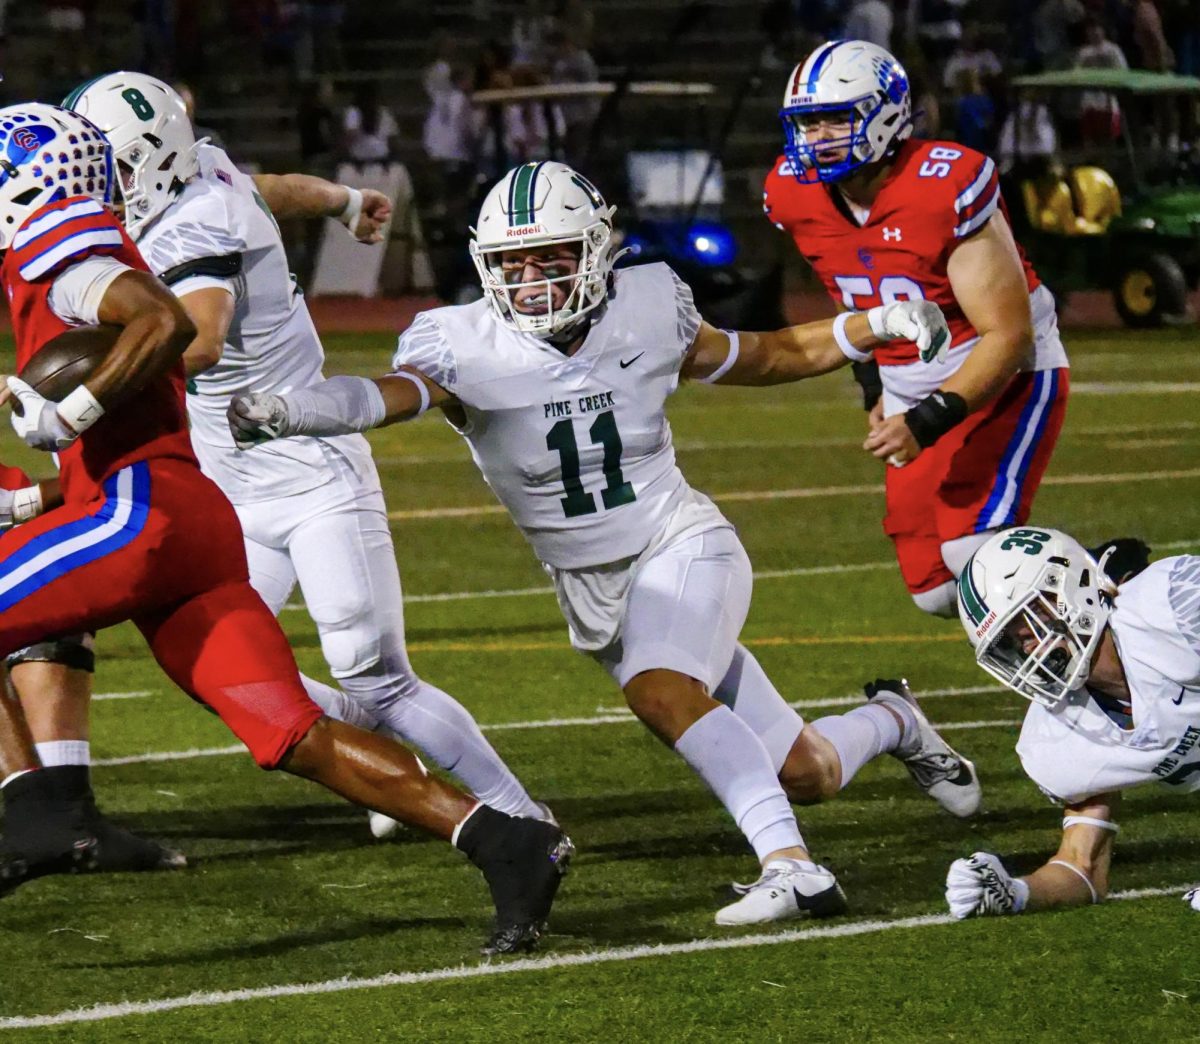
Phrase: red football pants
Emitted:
{"points": [[161, 546], [980, 475]]}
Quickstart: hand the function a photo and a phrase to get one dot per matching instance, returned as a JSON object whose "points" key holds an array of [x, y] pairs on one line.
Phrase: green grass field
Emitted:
{"points": [[287, 889]]}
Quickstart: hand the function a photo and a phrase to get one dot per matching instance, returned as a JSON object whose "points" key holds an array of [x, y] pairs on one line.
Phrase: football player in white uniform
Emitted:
{"points": [[558, 380], [1114, 676], [312, 509]]}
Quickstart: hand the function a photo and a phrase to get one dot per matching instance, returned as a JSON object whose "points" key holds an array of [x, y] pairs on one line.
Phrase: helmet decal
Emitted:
{"points": [[522, 194]]}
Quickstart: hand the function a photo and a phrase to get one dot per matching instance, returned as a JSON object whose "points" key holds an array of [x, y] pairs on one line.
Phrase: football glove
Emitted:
{"points": [[979, 886], [1192, 898], [919, 321], [19, 505], [38, 424], [255, 418]]}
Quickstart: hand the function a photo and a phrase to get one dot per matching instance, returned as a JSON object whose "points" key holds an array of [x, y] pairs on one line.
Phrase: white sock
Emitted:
{"points": [[725, 753], [860, 735], [338, 705], [435, 722], [64, 752]]}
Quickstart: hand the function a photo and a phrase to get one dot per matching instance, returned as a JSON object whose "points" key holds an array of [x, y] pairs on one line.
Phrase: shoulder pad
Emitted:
{"points": [[62, 233]]}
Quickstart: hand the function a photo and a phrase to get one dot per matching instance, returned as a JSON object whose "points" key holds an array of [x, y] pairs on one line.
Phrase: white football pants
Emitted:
{"points": [[335, 542]]}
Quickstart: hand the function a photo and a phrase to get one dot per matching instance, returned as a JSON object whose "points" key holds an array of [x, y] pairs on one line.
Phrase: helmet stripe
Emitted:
{"points": [[521, 195], [974, 605], [822, 58], [72, 99]]}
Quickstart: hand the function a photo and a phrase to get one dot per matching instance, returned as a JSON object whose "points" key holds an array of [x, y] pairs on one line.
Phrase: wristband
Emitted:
{"points": [[1081, 875], [26, 504], [730, 359], [422, 387], [875, 320], [352, 209], [80, 410], [1103, 824], [843, 342], [935, 415]]}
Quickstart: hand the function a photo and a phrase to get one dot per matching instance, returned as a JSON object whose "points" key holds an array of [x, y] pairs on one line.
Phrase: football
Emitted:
{"points": [[67, 361]]}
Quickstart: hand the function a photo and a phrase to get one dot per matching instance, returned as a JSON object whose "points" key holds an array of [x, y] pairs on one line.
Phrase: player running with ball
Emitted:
{"points": [[558, 381], [142, 535]]}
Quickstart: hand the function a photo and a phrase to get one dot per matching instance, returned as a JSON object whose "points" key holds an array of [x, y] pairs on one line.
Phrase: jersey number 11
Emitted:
{"points": [[603, 433]]}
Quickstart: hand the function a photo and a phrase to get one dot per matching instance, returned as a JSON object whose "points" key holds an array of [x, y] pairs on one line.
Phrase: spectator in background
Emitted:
{"points": [[870, 20], [189, 103], [368, 127], [449, 132], [572, 64], [1055, 24], [317, 125], [972, 55], [1153, 51], [575, 18], [1099, 115], [1028, 141], [939, 25], [975, 114], [531, 35]]}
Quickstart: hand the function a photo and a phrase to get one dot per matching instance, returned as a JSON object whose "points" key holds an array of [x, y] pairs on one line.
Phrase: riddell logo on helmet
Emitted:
{"points": [[986, 626], [523, 230]]}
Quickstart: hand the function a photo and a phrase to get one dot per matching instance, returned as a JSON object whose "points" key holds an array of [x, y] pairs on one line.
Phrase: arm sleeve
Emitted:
{"points": [[687, 318], [978, 200], [1183, 592], [423, 347], [77, 291]]}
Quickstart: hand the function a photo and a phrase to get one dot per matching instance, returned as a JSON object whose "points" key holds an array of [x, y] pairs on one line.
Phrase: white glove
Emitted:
{"points": [[38, 424], [1192, 898], [255, 418], [19, 505], [919, 321], [979, 885]]}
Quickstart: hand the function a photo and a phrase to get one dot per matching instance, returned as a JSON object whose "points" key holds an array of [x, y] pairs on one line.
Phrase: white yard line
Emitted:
{"points": [[609, 955], [857, 697], [814, 492], [1134, 387], [137, 694], [615, 716]]}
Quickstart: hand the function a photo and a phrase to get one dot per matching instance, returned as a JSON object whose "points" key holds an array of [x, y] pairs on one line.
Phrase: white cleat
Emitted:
{"points": [[788, 888], [382, 827], [935, 766]]}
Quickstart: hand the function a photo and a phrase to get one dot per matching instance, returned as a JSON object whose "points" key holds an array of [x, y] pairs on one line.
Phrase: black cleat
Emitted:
{"points": [[1129, 556], [45, 829], [523, 862]]}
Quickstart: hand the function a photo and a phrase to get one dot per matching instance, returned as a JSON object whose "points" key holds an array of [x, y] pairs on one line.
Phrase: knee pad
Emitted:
{"points": [[940, 601], [76, 651], [351, 647], [957, 552]]}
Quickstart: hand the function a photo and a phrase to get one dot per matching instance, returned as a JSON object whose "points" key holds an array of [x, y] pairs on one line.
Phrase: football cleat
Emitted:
{"points": [[788, 888], [46, 830], [935, 766], [523, 861]]}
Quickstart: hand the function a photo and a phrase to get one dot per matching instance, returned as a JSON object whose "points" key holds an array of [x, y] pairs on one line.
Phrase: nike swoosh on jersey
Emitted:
{"points": [[626, 364], [1179, 699]]}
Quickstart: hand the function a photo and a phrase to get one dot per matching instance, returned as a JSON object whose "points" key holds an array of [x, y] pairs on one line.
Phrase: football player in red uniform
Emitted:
{"points": [[142, 535], [882, 217]]}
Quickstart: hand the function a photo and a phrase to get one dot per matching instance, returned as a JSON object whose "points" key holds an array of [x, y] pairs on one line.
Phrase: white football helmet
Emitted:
{"points": [[859, 81], [151, 136], [48, 153], [539, 204], [1035, 604]]}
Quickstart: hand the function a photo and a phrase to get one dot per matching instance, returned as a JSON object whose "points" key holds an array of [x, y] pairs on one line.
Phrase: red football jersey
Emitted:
{"points": [[13, 478], [936, 195], [154, 424]]}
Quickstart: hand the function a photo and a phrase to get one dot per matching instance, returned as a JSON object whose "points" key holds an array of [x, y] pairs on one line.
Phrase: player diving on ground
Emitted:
{"points": [[558, 380], [1113, 674]]}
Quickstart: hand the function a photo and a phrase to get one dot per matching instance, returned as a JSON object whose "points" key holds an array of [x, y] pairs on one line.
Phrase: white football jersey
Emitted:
{"points": [[272, 345], [577, 448], [1078, 750]]}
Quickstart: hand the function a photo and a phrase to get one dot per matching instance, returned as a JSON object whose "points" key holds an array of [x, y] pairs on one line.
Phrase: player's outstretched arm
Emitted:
{"points": [[980, 886], [363, 211], [211, 310], [796, 352], [338, 406]]}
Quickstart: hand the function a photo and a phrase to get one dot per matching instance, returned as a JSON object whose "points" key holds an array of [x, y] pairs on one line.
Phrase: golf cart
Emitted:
{"points": [[1141, 241]]}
